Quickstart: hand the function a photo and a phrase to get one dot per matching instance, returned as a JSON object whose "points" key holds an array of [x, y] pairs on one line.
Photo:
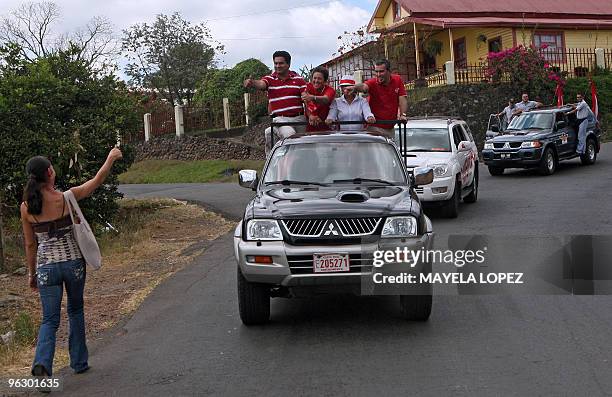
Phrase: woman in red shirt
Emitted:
{"points": [[318, 98]]}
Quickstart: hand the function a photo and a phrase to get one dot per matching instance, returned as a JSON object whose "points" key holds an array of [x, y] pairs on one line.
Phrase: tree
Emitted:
{"points": [[62, 108], [227, 83], [170, 56], [32, 26]]}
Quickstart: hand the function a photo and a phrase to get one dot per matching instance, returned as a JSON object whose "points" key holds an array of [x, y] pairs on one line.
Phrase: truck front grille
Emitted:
{"points": [[341, 227]]}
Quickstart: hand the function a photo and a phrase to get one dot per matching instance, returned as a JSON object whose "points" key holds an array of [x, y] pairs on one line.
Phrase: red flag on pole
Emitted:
{"points": [[594, 104], [559, 95]]}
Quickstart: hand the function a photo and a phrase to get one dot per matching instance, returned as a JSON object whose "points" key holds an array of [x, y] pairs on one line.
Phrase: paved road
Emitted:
{"points": [[187, 338]]}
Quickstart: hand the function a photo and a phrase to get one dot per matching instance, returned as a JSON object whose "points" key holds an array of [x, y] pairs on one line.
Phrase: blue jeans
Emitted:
{"points": [[51, 281]]}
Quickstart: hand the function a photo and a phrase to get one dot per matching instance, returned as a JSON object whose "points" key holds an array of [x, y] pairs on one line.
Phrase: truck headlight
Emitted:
{"points": [[531, 144], [400, 226], [488, 145], [439, 170], [263, 229]]}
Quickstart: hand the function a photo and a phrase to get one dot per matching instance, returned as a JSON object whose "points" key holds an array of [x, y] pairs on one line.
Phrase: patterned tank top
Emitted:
{"points": [[56, 242]]}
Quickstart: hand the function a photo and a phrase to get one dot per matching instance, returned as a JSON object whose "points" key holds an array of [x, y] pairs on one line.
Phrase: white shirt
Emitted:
{"points": [[526, 106], [509, 110], [358, 110], [583, 110]]}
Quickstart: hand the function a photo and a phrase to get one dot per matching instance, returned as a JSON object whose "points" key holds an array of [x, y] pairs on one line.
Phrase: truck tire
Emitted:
{"points": [[590, 156], [496, 171], [473, 196], [451, 207], [253, 301], [548, 164], [416, 307]]}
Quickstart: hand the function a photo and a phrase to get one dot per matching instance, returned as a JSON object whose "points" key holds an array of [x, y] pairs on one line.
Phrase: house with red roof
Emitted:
{"points": [[463, 32]]}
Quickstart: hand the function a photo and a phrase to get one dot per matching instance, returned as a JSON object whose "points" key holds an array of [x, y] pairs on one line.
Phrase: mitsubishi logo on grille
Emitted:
{"points": [[507, 145], [331, 230]]}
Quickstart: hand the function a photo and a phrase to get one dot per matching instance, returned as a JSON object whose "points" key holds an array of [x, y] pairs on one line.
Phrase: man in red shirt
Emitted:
{"points": [[318, 98], [285, 89], [387, 93]]}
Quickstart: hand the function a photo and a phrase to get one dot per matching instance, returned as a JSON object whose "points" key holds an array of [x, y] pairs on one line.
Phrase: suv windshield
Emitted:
{"points": [[525, 121], [332, 162], [426, 140]]}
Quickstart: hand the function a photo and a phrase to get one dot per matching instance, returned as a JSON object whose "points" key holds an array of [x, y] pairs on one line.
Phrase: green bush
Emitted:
{"points": [[227, 83], [59, 107]]}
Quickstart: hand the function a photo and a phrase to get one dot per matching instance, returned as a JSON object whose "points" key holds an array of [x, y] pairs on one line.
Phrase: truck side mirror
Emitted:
{"points": [[247, 179]]}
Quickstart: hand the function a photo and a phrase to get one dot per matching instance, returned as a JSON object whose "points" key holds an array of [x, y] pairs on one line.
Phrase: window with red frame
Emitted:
{"points": [[554, 44]]}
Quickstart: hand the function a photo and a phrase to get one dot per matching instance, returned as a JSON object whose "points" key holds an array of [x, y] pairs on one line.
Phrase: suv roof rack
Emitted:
{"points": [[435, 117]]}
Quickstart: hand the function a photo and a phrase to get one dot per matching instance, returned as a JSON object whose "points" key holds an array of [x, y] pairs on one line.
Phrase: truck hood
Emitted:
{"points": [[422, 159], [520, 136], [333, 201]]}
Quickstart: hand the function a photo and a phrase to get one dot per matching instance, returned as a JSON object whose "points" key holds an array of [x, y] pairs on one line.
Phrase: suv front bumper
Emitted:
{"points": [[279, 272], [522, 158], [441, 189]]}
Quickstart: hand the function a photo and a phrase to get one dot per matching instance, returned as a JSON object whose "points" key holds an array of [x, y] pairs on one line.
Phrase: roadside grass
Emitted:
{"points": [[154, 239], [197, 171]]}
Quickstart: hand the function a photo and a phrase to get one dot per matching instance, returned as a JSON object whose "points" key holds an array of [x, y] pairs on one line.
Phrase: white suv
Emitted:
{"points": [[447, 146]]}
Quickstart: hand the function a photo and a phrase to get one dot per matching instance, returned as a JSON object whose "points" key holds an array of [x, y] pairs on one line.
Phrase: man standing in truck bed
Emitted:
{"points": [[285, 89], [387, 93]]}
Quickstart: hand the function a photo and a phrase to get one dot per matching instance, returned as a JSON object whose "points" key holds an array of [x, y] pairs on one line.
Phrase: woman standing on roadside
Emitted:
{"points": [[54, 259]]}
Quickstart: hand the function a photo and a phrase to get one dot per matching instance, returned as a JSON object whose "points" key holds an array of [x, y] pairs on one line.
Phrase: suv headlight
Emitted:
{"points": [[263, 229], [400, 226], [488, 145], [439, 170], [529, 144]]}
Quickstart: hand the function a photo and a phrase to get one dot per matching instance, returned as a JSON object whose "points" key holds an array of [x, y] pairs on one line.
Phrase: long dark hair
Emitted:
{"points": [[36, 168]]}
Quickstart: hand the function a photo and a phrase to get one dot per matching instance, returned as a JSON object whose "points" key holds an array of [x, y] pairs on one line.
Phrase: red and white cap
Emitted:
{"points": [[347, 80]]}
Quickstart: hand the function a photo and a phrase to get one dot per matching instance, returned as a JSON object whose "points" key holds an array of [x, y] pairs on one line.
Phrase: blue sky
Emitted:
{"points": [[310, 28]]}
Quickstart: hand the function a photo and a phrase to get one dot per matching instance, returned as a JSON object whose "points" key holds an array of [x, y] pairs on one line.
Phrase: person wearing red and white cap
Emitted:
{"points": [[318, 97], [350, 107]]}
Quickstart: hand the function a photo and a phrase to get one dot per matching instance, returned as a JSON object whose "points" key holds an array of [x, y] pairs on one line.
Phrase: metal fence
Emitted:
{"points": [[471, 74], [572, 62], [162, 122]]}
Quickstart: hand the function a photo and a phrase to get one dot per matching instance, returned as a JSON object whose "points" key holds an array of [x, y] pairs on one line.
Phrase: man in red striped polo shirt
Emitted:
{"points": [[285, 89]]}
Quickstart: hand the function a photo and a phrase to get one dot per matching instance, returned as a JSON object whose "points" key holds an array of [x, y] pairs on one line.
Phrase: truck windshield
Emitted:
{"points": [[527, 121], [425, 140], [335, 162]]}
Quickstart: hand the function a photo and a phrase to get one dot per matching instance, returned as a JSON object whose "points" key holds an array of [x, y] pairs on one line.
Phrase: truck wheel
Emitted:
{"points": [[548, 165], [451, 208], [253, 301], [416, 307], [589, 157], [496, 171], [473, 196]]}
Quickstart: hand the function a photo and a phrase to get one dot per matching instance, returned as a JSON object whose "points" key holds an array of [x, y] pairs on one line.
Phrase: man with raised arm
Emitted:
{"points": [[387, 94], [285, 89]]}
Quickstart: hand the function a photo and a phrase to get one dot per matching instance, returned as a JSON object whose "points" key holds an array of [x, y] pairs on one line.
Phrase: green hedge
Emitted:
{"points": [[60, 108]]}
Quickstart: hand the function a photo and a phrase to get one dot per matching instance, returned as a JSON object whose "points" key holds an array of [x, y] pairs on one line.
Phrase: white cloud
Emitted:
{"points": [[319, 24]]}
